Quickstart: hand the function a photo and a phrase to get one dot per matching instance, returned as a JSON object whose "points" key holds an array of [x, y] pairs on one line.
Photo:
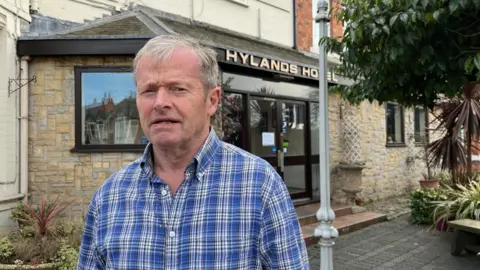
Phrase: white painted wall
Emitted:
{"points": [[268, 19], [12, 13]]}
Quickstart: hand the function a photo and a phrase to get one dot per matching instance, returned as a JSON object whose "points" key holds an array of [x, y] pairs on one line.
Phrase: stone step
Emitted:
{"points": [[307, 213], [345, 224]]}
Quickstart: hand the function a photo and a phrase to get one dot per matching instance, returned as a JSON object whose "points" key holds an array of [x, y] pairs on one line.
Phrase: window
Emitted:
{"points": [[315, 30], [106, 110], [395, 125], [420, 125]]}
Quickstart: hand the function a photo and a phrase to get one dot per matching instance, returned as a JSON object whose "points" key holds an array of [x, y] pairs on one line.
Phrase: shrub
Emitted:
{"points": [[422, 205], [463, 202], [67, 257], [41, 239], [41, 217], [6, 249]]}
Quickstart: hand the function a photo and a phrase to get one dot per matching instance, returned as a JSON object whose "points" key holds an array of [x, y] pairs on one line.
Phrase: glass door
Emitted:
{"points": [[278, 134], [263, 129], [292, 141]]}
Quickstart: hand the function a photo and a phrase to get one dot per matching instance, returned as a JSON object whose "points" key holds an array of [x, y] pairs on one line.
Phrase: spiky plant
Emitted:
{"points": [[464, 202]]}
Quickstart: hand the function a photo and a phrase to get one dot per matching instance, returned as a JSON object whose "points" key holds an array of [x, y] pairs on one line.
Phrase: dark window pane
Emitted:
{"points": [[109, 109], [420, 125], [394, 123]]}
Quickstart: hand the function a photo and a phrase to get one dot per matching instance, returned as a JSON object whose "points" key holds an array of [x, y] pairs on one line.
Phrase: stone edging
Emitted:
{"points": [[45, 266]]}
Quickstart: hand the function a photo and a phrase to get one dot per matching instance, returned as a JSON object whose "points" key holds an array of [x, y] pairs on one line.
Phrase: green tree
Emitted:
{"points": [[408, 51], [416, 52]]}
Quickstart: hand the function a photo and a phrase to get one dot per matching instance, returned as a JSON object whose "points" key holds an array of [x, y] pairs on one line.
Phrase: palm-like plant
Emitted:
{"points": [[453, 151]]}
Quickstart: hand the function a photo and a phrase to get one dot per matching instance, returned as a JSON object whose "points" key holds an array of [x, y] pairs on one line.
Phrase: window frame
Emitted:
{"points": [[402, 126], [427, 134], [99, 148]]}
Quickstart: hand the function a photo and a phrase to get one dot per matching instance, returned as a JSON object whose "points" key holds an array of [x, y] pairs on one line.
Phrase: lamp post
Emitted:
{"points": [[325, 214]]}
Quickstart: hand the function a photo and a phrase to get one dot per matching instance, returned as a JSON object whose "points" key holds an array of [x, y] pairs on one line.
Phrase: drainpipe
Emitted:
{"points": [[294, 8], [24, 129]]}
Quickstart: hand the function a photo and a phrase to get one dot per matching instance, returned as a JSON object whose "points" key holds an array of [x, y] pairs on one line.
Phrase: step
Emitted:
{"points": [[345, 224], [307, 213]]}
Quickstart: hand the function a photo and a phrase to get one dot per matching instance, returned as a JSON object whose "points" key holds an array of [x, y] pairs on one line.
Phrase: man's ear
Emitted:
{"points": [[213, 100]]}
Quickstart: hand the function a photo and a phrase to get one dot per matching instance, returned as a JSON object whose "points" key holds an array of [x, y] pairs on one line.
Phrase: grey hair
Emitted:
{"points": [[161, 47]]}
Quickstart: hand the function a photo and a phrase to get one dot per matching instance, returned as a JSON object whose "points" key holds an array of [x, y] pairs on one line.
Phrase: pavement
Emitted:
{"points": [[395, 244]]}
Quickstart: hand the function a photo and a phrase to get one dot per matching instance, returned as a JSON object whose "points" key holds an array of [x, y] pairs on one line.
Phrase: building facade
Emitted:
{"points": [[83, 123], [387, 138], [14, 16], [270, 20]]}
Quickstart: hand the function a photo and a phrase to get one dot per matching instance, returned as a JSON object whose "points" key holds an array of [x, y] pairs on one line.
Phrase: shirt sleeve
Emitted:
{"points": [[282, 244], [89, 258]]}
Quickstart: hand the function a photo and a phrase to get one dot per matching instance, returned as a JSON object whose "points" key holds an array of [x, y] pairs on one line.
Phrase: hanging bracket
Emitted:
{"points": [[15, 84]]}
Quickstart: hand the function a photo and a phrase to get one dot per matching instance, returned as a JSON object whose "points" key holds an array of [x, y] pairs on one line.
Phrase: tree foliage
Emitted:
{"points": [[408, 51]]}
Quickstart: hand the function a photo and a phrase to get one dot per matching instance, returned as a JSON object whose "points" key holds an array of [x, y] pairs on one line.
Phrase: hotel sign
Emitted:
{"points": [[274, 65]]}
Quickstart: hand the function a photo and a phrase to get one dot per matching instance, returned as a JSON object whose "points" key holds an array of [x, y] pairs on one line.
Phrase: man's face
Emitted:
{"points": [[173, 106]]}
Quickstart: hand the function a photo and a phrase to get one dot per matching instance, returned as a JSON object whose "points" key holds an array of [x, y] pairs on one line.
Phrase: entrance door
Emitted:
{"points": [[278, 134]]}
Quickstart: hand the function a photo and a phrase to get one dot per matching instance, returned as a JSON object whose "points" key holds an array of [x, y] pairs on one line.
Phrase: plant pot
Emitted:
{"points": [[429, 183], [45, 266], [441, 224]]}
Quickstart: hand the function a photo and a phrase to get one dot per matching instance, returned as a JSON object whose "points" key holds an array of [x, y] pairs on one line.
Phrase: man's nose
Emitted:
{"points": [[162, 99]]}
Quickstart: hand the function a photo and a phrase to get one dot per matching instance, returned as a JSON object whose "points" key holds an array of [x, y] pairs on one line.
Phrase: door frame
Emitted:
{"points": [[307, 159]]}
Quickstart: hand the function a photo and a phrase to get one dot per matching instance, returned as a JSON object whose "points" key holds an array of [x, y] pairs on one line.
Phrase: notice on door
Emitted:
{"points": [[268, 138]]}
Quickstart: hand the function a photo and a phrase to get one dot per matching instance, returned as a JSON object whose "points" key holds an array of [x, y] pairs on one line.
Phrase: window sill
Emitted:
{"points": [[419, 144], [396, 145], [109, 149]]}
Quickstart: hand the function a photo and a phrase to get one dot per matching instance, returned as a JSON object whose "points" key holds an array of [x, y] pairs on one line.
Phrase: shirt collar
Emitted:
{"points": [[200, 162]]}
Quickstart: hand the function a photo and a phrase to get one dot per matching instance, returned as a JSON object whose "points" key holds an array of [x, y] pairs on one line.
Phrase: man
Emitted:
{"points": [[191, 201]]}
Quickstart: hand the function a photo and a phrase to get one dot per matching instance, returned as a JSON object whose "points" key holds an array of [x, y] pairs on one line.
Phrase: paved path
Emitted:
{"points": [[395, 244]]}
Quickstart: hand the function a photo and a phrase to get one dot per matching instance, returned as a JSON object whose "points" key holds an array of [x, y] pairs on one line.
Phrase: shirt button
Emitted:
{"points": [[172, 234], [164, 192]]}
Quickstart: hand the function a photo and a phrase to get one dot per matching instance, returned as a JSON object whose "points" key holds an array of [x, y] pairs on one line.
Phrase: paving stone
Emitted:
{"points": [[395, 244]]}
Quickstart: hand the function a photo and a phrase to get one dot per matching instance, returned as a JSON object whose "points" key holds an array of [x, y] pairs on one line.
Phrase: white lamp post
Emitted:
{"points": [[325, 214]]}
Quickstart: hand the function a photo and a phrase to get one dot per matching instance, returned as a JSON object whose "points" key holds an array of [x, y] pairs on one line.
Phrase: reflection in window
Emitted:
{"points": [[258, 85], [420, 125], [109, 110], [394, 114], [229, 119]]}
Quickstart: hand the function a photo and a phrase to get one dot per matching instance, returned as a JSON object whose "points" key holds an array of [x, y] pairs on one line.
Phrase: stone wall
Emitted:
{"points": [[388, 172], [53, 169]]}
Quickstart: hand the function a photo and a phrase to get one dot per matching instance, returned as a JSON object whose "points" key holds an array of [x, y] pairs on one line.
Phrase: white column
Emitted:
{"points": [[325, 214]]}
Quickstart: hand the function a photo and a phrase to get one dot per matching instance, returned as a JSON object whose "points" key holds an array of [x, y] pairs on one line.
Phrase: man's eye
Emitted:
{"points": [[177, 88]]}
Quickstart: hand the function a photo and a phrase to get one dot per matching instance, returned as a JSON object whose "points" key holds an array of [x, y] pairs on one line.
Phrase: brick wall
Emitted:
{"points": [[336, 26], [304, 23]]}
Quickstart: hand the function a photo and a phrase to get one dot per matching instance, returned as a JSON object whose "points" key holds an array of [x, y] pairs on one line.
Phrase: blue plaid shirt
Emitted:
{"points": [[232, 211]]}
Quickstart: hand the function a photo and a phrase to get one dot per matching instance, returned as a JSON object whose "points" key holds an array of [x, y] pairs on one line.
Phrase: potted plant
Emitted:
{"points": [[42, 242], [430, 179]]}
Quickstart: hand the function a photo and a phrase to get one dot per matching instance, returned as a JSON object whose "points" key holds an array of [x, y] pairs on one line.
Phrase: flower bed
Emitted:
{"points": [[42, 242]]}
